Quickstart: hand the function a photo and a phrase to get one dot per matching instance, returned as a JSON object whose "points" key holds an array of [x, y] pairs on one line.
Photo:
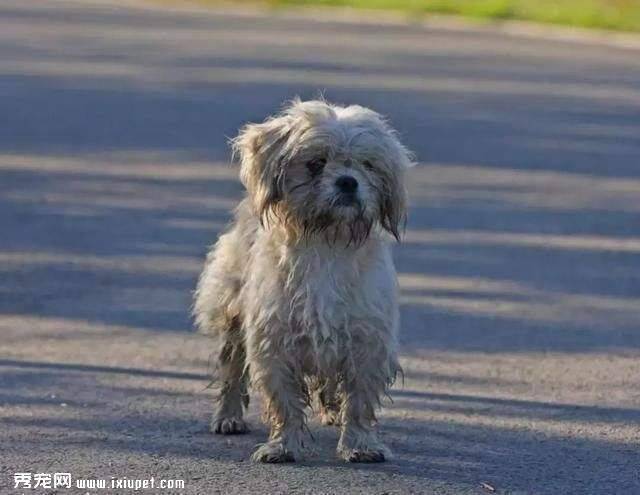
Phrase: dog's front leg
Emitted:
{"points": [[286, 397], [358, 440]]}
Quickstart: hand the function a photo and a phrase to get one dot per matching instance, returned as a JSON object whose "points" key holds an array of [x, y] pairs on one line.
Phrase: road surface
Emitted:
{"points": [[520, 270]]}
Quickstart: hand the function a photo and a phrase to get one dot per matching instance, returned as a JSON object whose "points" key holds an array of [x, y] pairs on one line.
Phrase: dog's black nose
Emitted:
{"points": [[347, 184]]}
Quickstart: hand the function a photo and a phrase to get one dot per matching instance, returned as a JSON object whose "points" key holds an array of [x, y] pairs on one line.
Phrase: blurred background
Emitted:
{"points": [[520, 268]]}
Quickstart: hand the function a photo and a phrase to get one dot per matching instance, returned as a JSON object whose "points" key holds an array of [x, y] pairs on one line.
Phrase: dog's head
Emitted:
{"points": [[324, 169]]}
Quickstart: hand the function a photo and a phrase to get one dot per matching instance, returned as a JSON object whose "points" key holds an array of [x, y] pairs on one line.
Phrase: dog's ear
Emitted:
{"points": [[393, 203], [261, 151], [391, 159]]}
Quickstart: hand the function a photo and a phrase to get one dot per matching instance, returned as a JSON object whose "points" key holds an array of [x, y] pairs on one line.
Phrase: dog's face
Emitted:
{"points": [[319, 168]]}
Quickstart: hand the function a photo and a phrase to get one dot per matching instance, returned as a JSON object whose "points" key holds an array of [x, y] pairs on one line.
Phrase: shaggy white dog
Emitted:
{"points": [[301, 292]]}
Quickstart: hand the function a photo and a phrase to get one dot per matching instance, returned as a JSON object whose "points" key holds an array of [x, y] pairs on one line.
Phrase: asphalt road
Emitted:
{"points": [[520, 271]]}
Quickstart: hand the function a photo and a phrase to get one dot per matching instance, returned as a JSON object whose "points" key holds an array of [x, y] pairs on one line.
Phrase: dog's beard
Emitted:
{"points": [[339, 223], [339, 230]]}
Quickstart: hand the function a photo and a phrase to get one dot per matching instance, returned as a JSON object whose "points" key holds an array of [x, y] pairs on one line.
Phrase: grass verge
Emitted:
{"points": [[622, 15]]}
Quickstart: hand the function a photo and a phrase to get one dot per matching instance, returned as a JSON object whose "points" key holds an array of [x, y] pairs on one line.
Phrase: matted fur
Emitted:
{"points": [[300, 293]]}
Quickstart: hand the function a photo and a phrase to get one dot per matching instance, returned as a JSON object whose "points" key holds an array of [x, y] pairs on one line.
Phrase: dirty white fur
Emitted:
{"points": [[301, 293]]}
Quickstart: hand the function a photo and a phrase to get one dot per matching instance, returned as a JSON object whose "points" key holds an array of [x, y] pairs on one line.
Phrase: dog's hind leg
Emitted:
{"points": [[232, 376], [217, 313], [328, 402]]}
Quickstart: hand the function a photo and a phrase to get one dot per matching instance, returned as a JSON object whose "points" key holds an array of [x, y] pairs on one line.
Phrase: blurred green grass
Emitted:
{"points": [[621, 15]]}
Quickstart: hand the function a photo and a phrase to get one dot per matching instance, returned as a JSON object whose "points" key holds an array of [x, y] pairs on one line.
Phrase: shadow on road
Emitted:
{"points": [[161, 422]]}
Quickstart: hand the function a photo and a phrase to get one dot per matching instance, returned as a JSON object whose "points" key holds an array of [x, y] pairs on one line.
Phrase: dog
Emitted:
{"points": [[301, 292]]}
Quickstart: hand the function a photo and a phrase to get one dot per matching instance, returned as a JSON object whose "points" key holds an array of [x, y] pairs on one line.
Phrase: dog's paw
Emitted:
{"points": [[229, 426], [375, 452], [273, 452], [364, 456]]}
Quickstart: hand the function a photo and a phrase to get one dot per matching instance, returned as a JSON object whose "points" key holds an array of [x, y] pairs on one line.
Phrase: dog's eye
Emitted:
{"points": [[316, 165], [368, 165]]}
